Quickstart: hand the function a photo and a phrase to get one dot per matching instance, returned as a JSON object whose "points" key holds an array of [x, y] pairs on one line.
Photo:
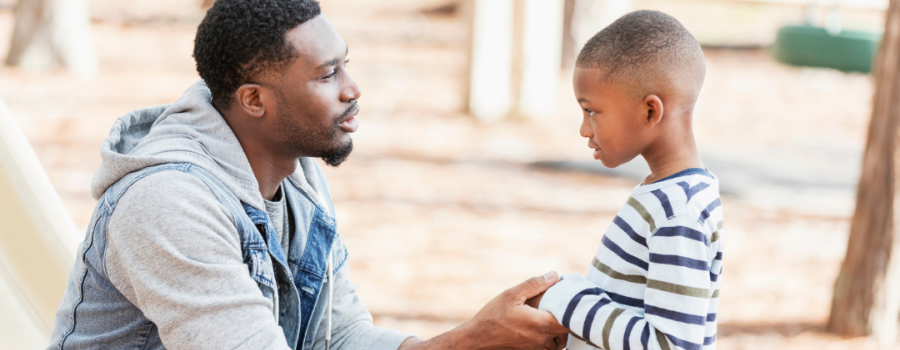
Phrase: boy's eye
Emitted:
{"points": [[589, 112], [329, 75]]}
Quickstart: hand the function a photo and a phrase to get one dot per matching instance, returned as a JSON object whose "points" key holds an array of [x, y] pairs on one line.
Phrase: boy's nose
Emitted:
{"points": [[585, 129]]}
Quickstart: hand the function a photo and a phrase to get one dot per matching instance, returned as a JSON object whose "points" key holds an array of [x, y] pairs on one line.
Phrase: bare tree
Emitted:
{"points": [[52, 33], [866, 295]]}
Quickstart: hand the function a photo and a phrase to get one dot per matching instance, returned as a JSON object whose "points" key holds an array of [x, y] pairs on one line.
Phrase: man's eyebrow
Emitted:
{"points": [[333, 61]]}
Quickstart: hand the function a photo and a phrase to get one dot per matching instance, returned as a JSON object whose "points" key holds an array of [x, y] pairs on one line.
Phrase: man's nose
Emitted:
{"points": [[351, 91]]}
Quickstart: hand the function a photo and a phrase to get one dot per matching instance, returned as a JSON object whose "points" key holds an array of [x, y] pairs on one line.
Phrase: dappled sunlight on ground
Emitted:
{"points": [[441, 213]]}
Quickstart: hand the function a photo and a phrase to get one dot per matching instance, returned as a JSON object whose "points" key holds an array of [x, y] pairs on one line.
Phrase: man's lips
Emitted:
{"points": [[348, 122]]}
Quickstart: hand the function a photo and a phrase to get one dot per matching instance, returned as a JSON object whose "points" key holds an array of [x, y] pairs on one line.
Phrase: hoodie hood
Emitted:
{"points": [[192, 131]]}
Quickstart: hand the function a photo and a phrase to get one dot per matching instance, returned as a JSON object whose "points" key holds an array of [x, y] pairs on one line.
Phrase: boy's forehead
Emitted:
{"points": [[590, 81]]}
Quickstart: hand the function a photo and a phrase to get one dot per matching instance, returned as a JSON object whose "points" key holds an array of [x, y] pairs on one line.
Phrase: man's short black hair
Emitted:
{"points": [[643, 50], [239, 40]]}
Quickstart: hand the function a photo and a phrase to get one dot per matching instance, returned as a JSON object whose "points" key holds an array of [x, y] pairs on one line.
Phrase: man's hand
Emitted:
{"points": [[558, 342], [504, 323]]}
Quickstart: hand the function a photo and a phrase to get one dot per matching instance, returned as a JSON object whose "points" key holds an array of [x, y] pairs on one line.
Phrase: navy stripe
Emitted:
{"points": [[684, 344], [711, 317], [567, 316], [675, 315], [621, 299], [709, 208], [589, 319], [713, 277], [679, 261], [681, 231], [664, 201], [645, 335], [626, 344], [686, 172], [709, 340], [691, 191], [719, 256], [625, 256], [629, 231]]}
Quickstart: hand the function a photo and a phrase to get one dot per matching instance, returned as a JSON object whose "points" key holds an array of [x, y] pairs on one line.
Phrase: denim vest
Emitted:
{"points": [[93, 313]]}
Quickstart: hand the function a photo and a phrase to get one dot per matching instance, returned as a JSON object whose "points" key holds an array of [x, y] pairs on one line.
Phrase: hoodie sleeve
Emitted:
{"points": [[352, 326], [173, 251]]}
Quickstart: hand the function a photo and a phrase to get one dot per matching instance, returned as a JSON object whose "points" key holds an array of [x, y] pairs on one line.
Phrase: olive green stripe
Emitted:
{"points": [[607, 328], [616, 274], [643, 211], [661, 338], [715, 294], [584, 340], [678, 289], [715, 235]]}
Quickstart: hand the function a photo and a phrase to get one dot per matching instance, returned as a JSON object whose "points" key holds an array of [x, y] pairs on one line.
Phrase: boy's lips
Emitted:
{"points": [[597, 153]]}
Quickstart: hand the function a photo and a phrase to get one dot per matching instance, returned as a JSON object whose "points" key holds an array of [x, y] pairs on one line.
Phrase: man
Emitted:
{"points": [[214, 228]]}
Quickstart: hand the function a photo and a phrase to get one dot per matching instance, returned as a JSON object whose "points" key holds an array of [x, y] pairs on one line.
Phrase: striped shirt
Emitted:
{"points": [[654, 281]]}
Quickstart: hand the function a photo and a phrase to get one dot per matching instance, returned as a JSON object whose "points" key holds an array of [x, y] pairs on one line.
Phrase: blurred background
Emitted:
{"points": [[469, 175]]}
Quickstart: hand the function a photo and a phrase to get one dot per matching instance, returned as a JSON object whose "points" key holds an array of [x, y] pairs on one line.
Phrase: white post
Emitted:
{"points": [[490, 85], [541, 57], [591, 16]]}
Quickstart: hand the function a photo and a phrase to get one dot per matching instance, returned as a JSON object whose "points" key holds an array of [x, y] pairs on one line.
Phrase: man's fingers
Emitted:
{"points": [[534, 286], [548, 322]]}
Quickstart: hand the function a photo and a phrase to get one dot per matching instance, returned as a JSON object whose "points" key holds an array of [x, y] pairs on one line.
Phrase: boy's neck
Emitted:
{"points": [[673, 152]]}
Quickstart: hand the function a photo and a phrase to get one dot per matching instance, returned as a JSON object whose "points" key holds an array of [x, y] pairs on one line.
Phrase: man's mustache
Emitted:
{"points": [[353, 107]]}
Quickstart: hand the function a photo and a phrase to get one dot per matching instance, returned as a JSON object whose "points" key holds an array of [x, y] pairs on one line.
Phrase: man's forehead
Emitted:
{"points": [[316, 41]]}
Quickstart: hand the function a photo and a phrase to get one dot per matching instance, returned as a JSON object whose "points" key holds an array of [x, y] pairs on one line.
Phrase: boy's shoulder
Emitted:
{"points": [[688, 195]]}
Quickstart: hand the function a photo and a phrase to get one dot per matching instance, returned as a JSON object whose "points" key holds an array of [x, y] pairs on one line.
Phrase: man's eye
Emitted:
{"points": [[330, 75]]}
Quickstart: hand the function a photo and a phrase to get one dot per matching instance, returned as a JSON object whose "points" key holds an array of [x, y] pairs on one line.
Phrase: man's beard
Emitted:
{"points": [[308, 140], [337, 156]]}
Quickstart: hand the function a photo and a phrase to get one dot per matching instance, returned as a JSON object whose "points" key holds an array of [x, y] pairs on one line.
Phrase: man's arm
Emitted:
{"points": [[505, 322], [676, 298], [174, 253], [352, 326]]}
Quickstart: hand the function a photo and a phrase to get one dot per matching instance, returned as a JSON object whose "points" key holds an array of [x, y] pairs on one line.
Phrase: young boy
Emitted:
{"points": [[654, 281]]}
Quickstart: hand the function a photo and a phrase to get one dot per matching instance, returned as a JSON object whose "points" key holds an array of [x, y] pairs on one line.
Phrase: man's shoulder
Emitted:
{"points": [[168, 194]]}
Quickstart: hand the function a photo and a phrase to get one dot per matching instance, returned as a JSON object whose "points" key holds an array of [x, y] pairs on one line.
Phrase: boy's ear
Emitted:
{"points": [[250, 100], [654, 108]]}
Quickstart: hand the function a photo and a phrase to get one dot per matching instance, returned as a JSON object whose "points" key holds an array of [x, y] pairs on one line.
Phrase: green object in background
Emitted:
{"points": [[848, 50]]}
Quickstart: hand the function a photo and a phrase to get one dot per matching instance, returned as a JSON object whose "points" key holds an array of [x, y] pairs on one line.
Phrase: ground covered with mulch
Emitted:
{"points": [[441, 212]]}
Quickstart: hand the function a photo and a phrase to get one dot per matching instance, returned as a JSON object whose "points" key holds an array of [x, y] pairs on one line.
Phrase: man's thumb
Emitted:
{"points": [[536, 285]]}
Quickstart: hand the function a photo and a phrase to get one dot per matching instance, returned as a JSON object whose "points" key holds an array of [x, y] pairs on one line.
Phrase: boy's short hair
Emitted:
{"points": [[646, 51], [240, 40]]}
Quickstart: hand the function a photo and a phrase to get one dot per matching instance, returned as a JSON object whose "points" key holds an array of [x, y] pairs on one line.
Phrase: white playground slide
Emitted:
{"points": [[38, 243]]}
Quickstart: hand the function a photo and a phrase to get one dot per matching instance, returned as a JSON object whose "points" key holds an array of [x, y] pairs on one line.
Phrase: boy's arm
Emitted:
{"points": [[676, 299]]}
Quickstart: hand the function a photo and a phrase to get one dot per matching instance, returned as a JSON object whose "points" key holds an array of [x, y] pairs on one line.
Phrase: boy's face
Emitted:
{"points": [[614, 123]]}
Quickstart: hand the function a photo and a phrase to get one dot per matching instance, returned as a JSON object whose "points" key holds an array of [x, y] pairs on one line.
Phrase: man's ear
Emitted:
{"points": [[654, 107], [250, 100]]}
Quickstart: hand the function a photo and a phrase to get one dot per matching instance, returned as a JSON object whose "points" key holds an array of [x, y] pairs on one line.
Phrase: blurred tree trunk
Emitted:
{"points": [[866, 294], [52, 33]]}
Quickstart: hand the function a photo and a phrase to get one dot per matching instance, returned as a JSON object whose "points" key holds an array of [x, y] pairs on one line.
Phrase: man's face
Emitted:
{"points": [[613, 122], [316, 98]]}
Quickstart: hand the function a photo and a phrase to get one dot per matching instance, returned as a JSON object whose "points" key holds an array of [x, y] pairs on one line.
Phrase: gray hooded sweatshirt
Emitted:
{"points": [[173, 251]]}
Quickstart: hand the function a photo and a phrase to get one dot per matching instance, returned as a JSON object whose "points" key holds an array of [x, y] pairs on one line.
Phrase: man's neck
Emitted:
{"points": [[269, 167], [673, 152]]}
